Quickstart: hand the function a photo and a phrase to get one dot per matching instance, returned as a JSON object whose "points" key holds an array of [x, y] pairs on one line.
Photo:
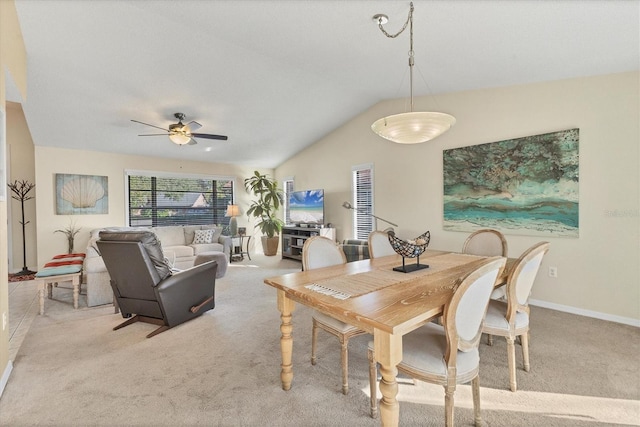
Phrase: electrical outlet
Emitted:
{"points": [[553, 272], [4, 320]]}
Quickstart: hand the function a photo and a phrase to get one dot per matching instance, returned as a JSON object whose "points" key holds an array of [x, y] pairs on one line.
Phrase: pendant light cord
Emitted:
{"points": [[409, 22]]}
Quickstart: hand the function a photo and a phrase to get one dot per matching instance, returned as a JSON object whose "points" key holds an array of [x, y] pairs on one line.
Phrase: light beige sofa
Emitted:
{"points": [[177, 246]]}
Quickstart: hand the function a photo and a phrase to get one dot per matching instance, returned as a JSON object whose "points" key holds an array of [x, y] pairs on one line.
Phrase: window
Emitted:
{"points": [[287, 184], [162, 199], [362, 201]]}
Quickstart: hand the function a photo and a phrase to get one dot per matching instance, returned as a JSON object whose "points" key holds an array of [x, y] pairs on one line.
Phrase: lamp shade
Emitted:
{"points": [[233, 210], [179, 138], [413, 127]]}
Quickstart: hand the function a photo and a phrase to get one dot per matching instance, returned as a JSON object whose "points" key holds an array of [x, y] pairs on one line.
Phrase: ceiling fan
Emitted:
{"points": [[182, 134]]}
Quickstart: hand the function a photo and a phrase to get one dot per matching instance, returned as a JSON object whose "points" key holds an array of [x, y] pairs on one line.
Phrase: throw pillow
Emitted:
{"points": [[203, 236], [217, 231]]}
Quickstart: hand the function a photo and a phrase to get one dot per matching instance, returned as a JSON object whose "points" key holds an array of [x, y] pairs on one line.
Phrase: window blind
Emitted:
{"points": [[362, 201], [161, 200]]}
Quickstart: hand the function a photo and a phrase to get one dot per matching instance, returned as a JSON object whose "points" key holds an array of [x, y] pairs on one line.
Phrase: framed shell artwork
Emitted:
{"points": [[81, 194]]}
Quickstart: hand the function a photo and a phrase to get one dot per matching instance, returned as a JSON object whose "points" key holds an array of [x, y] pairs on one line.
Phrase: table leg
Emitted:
{"points": [[286, 307], [388, 353]]}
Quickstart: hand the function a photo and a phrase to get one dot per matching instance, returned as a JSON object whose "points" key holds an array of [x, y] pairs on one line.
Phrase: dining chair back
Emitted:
{"points": [[455, 342], [318, 252], [486, 242], [510, 318], [379, 245]]}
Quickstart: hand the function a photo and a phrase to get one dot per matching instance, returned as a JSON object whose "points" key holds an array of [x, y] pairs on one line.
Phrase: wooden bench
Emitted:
{"points": [[62, 268]]}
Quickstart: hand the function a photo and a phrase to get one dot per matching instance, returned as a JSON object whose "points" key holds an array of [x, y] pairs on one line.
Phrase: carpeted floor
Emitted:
{"points": [[222, 369]]}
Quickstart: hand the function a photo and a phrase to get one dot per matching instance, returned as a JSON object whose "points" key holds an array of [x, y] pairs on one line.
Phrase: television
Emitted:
{"points": [[307, 207]]}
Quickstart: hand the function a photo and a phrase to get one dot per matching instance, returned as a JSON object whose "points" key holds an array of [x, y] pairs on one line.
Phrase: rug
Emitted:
{"points": [[21, 277]]}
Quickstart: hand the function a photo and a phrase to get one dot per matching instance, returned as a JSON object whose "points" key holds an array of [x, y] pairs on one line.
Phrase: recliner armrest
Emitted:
{"points": [[188, 288]]}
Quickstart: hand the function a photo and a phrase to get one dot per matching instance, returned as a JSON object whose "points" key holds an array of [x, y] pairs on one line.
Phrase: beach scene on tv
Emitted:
{"points": [[307, 207]]}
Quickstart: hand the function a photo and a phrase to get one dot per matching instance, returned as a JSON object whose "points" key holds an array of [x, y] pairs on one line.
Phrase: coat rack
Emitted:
{"points": [[21, 191]]}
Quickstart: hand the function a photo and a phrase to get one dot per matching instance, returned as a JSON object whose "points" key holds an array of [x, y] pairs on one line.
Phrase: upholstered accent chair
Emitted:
{"points": [[144, 285], [355, 250], [318, 252], [510, 318], [379, 245], [448, 354]]}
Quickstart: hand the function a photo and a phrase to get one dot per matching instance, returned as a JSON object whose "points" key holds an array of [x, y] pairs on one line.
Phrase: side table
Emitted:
{"points": [[240, 247]]}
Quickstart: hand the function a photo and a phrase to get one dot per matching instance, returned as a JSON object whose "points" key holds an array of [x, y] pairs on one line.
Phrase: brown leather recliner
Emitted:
{"points": [[144, 285]]}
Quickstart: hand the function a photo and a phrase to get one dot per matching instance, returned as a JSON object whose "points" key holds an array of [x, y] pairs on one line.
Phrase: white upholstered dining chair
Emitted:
{"points": [[510, 319], [487, 242], [379, 244], [448, 354], [318, 252]]}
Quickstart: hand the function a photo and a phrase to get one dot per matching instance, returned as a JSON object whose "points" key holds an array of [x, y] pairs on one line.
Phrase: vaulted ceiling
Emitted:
{"points": [[276, 76]]}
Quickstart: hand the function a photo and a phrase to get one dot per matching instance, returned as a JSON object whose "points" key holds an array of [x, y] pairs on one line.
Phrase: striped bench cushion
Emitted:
{"points": [[62, 264]]}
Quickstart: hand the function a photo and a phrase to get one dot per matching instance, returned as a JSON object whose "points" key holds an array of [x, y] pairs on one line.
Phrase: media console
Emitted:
{"points": [[293, 239]]}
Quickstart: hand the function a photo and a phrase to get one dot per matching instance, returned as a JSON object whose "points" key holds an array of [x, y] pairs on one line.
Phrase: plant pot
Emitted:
{"points": [[270, 245]]}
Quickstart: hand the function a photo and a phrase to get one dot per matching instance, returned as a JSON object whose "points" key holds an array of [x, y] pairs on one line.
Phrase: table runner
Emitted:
{"points": [[362, 283]]}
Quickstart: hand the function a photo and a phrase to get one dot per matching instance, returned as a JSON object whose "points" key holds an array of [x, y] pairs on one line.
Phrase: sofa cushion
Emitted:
{"points": [[203, 236], [178, 251], [172, 235], [189, 232], [207, 247]]}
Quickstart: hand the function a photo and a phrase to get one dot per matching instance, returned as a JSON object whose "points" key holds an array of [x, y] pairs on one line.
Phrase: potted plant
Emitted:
{"points": [[264, 209]]}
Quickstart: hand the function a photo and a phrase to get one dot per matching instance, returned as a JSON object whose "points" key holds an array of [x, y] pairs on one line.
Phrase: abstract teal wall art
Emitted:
{"points": [[523, 186]]}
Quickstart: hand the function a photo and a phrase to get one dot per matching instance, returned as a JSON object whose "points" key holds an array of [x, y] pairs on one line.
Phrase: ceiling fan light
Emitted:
{"points": [[179, 138], [413, 127]]}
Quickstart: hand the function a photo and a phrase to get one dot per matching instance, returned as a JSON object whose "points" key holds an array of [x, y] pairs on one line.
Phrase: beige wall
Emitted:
{"points": [[50, 161], [21, 168], [598, 273]]}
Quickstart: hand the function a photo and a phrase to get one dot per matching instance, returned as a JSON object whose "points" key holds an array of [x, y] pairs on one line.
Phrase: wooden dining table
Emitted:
{"points": [[370, 295]]}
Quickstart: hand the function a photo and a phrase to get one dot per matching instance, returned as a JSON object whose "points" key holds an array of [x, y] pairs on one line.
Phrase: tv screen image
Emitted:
{"points": [[307, 207]]}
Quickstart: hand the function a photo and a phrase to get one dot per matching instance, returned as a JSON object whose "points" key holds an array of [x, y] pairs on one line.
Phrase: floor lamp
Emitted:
{"points": [[348, 205]]}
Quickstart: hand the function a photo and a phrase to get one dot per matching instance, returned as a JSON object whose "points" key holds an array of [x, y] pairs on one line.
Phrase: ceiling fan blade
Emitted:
{"points": [[147, 124], [192, 142], [193, 125], [209, 136]]}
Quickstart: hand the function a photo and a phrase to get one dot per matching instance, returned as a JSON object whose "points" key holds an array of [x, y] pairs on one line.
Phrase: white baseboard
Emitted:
{"points": [[588, 313], [5, 376]]}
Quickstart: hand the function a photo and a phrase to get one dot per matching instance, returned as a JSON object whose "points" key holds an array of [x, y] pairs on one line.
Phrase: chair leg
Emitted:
{"points": [[448, 405], [127, 322], [524, 338], [344, 343], [314, 338], [511, 356], [475, 389], [489, 339], [373, 383], [157, 331]]}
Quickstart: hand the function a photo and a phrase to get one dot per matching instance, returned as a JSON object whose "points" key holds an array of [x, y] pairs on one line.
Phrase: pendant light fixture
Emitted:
{"points": [[415, 126]]}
